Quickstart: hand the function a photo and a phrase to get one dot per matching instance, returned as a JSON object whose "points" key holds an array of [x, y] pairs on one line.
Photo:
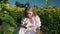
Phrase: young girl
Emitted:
{"points": [[30, 21]]}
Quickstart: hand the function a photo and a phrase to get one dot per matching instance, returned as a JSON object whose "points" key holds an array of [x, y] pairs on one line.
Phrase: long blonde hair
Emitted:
{"points": [[27, 9]]}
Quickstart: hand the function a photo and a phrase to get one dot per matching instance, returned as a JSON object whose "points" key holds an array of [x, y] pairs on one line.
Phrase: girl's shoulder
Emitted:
{"points": [[36, 16]]}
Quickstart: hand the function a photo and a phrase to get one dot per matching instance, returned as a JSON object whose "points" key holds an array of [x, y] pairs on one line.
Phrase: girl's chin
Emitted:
{"points": [[30, 17]]}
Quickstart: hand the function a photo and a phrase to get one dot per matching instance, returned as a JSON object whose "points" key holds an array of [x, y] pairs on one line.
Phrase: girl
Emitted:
{"points": [[30, 21]]}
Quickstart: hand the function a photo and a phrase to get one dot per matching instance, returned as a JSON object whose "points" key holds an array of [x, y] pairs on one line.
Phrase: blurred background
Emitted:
{"points": [[11, 14]]}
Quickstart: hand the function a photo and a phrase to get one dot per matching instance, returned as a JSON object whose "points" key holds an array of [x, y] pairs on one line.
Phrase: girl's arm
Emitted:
{"points": [[23, 21], [38, 21]]}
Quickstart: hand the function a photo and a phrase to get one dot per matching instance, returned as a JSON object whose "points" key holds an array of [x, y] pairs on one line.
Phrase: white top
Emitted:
{"points": [[35, 21]]}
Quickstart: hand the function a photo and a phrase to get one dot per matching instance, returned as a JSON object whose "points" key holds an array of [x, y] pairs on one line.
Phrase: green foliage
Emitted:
{"points": [[50, 22], [8, 24]]}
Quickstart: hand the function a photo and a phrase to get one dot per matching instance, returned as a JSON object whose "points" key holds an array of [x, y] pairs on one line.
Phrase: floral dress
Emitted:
{"points": [[34, 21]]}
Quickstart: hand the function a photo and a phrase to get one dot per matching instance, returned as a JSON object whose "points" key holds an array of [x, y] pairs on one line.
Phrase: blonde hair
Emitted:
{"points": [[27, 9]]}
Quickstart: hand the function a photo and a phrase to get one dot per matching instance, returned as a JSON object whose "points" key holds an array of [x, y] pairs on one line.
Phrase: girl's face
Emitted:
{"points": [[30, 14]]}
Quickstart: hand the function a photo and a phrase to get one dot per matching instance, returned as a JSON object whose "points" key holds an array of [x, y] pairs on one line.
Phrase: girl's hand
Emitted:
{"points": [[30, 26]]}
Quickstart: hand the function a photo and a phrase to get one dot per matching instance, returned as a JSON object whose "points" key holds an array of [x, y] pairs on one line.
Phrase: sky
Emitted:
{"points": [[37, 2]]}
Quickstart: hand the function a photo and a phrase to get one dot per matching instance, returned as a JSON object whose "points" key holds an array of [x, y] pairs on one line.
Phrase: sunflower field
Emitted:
{"points": [[10, 17]]}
